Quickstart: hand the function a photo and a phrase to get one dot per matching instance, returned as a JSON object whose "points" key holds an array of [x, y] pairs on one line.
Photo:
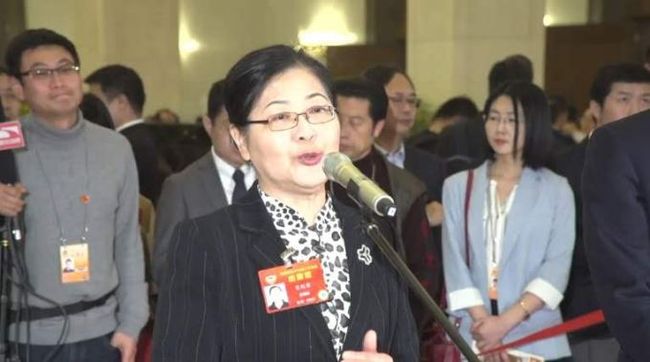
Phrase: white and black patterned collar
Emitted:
{"points": [[326, 215], [323, 240]]}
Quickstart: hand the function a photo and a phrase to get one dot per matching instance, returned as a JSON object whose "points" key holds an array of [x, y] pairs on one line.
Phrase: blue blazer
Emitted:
{"points": [[537, 247]]}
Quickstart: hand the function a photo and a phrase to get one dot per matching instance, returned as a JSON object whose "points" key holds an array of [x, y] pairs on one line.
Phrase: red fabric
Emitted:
{"points": [[145, 344], [584, 321]]}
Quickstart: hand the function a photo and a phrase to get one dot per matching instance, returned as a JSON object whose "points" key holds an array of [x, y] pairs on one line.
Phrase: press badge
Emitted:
{"points": [[75, 264], [293, 286]]}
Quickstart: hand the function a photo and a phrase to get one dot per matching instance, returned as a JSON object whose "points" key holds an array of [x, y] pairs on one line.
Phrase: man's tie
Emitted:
{"points": [[240, 186]]}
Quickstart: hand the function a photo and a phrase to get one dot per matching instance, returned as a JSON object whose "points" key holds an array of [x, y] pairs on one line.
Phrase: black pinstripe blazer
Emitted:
{"points": [[210, 306]]}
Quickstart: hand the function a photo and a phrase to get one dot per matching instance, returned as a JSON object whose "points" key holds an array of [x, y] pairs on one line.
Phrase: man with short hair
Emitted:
{"points": [[618, 91], [122, 90], [616, 191], [400, 118], [10, 97], [215, 180], [362, 106], [79, 196]]}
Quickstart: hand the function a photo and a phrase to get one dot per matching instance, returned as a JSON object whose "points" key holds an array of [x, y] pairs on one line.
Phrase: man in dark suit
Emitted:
{"points": [[204, 186], [362, 108], [618, 91], [616, 191], [122, 91], [402, 107]]}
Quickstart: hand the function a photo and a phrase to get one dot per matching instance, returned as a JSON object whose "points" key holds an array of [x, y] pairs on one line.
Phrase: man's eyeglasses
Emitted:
{"points": [[288, 120], [47, 73], [411, 101]]}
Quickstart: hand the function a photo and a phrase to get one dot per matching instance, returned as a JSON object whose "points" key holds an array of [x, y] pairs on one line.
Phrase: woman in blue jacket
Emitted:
{"points": [[507, 268]]}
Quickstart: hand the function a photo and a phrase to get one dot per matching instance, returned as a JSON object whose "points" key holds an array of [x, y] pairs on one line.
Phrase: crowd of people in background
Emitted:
{"points": [[490, 208]]}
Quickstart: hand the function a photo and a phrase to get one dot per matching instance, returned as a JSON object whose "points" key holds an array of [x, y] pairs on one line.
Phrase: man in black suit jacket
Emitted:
{"points": [[204, 186], [613, 84], [122, 91], [402, 107], [362, 109], [616, 191]]}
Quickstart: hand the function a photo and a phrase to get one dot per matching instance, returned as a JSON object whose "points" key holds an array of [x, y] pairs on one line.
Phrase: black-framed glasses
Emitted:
{"points": [[288, 120], [411, 101], [47, 73]]}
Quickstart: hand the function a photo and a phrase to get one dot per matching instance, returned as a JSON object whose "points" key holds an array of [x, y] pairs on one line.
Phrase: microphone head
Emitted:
{"points": [[11, 136], [333, 161]]}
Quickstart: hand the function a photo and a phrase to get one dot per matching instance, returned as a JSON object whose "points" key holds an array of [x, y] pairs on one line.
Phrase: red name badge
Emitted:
{"points": [[11, 136], [293, 286]]}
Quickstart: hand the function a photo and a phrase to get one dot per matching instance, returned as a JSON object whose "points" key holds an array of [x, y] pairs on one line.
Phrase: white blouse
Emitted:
{"points": [[495, 220]]}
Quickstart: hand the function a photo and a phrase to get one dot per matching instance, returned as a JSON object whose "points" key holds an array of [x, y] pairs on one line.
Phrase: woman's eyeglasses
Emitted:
{"points": [[288, 120]]}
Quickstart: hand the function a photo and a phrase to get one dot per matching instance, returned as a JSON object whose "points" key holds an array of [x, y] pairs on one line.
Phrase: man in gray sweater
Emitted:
{"points": [[79, 196]]}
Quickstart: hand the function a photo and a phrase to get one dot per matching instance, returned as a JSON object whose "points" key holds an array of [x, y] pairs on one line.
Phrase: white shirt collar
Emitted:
{"points": [[225, 171], [129, 124], [396, 157]]}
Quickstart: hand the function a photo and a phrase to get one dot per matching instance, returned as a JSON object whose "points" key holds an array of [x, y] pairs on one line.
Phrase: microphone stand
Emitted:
{"points": [[373, 231], [10, 235], [5, 242]]}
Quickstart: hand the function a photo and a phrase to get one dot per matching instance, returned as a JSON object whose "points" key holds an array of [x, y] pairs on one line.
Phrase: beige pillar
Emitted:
{"points": [[451, 44], [140, 34], [143, 34], [215, 34], [180, 47]]}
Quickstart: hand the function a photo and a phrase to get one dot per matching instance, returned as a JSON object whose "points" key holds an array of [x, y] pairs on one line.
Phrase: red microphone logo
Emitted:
{"points": [[11, 136]]}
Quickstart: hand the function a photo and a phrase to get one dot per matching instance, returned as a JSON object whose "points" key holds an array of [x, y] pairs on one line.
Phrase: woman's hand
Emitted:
{"points": [[369, 352], [435, 213], [489, 331], [496, 357]]}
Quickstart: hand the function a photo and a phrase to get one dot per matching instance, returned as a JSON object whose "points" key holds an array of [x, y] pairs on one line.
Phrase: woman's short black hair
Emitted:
{"points": [[31, 39], [248, 78], [537, 119]]}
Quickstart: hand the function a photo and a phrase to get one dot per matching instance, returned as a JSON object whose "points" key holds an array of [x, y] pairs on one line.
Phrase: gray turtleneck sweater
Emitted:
{"points": [[70, 160]]}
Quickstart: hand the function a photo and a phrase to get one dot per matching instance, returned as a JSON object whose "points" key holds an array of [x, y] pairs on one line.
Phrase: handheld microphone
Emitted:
{"points": [[339, 168], [11, 137]]}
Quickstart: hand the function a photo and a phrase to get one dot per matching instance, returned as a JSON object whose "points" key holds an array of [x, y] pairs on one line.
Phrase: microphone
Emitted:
{"points": [[11, 137], [8, 175], [339, 168]]}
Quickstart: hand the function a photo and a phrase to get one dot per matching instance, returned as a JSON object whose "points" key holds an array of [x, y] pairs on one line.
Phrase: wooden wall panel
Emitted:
{"points": [[575, 53], [350, 61], [12, 22]]}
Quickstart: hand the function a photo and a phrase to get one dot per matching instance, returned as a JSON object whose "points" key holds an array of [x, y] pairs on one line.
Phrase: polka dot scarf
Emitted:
{"points": [[323, 240]]}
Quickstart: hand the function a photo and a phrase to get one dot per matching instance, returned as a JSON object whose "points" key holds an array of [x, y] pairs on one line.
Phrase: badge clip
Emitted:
{"points": [[287, 256]]}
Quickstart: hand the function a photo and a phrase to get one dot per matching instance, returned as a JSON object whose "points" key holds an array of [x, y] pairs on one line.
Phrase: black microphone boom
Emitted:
{"points": [[339, 168]]}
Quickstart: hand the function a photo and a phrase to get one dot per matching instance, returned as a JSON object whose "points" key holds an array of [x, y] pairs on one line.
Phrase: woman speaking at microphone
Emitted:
{"points": [[287, 240]]}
